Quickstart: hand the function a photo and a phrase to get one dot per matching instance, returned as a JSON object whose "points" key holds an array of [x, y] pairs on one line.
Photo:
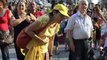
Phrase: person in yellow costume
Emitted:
{"points": [[41, 45]]}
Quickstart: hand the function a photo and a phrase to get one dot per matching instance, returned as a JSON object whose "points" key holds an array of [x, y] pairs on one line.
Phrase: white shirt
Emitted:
{"points": [[80, 25]]}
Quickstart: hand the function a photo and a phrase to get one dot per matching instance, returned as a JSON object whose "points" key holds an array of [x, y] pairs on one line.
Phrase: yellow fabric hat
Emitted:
{"points": [[62, 9]]}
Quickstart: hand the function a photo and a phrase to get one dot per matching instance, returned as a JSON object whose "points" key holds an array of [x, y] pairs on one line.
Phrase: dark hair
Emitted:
{"points": [[95, 19], [61, 2], [10, 5], [97, 10], [75, 9], [52, 13], [53, 4], [89, 11]]}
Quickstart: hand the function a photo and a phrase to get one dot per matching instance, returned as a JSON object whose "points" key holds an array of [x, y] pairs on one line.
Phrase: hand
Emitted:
{"points": [[32, 17], [28, 18], [44, 41], [101, 48], [72, 47]]}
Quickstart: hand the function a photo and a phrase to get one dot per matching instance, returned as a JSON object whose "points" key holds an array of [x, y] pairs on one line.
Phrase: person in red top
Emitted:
{"points": [[33, 8], [6, 18], [96, 17]]}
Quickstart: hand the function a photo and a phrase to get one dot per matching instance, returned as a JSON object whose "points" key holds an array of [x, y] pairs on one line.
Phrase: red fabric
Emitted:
{"points": [[38, 14], [23, 39], [4, 20], [61, 39], [99, 21]]}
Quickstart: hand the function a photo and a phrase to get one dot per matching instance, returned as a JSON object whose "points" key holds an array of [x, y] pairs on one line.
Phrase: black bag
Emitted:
{"points": [[8, 36]]}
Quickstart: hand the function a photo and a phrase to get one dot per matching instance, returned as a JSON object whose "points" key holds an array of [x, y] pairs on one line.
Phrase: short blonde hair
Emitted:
{"points": [[83, 1]]}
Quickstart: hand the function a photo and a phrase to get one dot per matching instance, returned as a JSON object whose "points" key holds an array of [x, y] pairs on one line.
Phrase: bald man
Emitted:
{"points": [[78, 29]]}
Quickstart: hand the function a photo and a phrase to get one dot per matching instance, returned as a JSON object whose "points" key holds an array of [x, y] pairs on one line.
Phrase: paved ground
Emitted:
{"points": [[62, 54]]}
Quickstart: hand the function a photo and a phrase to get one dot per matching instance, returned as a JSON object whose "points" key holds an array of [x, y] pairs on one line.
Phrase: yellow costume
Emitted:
{"points": [[46, 34]]}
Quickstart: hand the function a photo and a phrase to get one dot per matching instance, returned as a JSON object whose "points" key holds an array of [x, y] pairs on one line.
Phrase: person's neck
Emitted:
{"points": [[83, 13], [33, 10], [55, 20], [21, 13]]}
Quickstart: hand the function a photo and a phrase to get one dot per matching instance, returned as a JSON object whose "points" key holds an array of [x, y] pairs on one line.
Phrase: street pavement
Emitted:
{"points": [[63, 55]]}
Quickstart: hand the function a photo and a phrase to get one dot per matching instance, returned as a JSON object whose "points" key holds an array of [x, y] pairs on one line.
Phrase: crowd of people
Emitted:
{"points": [[82, 27]]}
